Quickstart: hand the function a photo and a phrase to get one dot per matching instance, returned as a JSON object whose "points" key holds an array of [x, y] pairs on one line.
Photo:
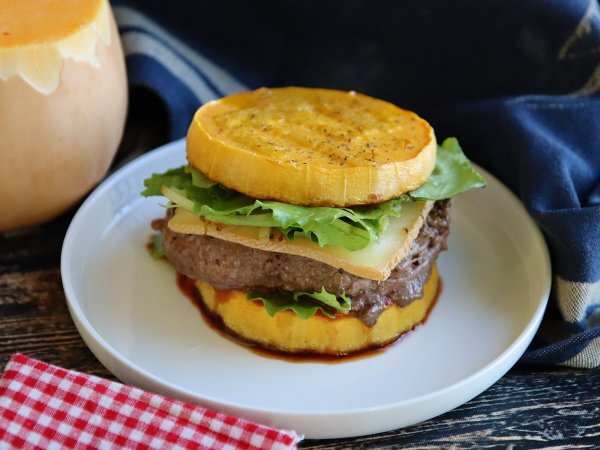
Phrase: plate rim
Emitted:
{"points": [[508, 357]]}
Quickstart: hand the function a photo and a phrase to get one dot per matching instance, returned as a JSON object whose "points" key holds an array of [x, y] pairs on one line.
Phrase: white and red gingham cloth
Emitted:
{"points": [[47, 407]]}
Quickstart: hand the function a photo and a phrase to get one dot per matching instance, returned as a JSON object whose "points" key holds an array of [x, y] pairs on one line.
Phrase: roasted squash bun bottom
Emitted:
{"points": [[311, 219], [287, 332]]}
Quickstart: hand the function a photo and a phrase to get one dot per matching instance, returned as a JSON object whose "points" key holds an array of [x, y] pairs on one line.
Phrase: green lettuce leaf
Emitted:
{"points": [[157, 247], [344, 227], [453, 174], [352, 228], [304, 304]]}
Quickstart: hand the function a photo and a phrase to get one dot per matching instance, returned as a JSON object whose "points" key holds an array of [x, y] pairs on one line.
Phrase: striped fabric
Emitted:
{"points": [[579, 305], [158, 60], [517, 82]]}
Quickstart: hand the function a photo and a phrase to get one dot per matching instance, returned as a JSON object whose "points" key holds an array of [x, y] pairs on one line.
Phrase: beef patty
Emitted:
{"points": [[227, 265]]}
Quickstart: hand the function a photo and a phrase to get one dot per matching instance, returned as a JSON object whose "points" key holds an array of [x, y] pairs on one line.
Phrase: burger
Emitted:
{"points": [[311, 219]]}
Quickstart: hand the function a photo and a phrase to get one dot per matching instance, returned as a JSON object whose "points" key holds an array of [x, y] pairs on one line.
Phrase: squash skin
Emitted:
{"points": [[55, 147]]}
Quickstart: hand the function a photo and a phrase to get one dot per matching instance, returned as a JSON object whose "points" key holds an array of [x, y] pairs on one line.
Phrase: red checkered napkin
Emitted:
{"points": [[44, 406]]}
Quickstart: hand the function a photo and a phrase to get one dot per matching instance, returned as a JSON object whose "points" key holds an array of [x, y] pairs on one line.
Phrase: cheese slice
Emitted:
{"points": [[375, 261]]}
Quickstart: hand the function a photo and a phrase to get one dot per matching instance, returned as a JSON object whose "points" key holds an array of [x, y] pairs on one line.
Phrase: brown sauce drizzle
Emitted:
{"points": [[188, 288]]}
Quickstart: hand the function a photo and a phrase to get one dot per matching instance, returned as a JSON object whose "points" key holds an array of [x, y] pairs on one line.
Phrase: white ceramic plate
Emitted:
{"points": [[129, 311]]}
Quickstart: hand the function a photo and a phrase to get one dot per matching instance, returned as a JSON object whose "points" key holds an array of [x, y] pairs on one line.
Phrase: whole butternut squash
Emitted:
{"points": [[63, 101]]}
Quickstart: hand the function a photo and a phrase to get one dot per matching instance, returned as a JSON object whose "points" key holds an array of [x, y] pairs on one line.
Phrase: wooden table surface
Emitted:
{"points": [[530, 407]]}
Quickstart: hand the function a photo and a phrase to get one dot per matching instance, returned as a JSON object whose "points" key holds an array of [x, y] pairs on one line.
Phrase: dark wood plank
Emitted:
{"points": [[35, 321], [527, 408]]}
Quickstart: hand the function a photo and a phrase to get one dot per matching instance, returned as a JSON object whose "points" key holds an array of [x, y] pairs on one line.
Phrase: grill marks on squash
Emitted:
{"points": [[326, 129], [328, 147]]}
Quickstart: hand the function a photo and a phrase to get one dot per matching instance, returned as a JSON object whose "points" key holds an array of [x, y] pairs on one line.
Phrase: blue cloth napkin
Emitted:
{"points": [[517, 81]]}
